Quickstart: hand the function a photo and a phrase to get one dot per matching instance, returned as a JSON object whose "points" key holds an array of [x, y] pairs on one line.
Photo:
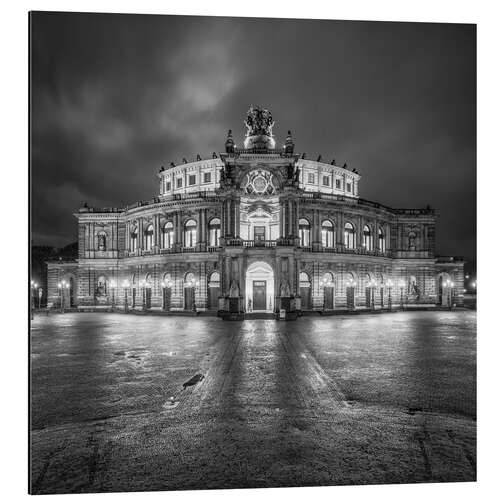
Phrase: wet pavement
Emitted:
{"points": [[382, 398]]}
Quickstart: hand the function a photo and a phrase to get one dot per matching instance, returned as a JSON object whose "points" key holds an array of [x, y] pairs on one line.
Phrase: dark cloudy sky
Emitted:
{"points": [[114, 97]]}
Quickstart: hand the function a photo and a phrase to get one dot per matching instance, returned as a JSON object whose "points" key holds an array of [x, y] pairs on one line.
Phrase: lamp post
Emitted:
{"points": [[112, 285], [166, 283], [193, 283], [62, 285], [389, 286], [324, 282], [350, 283], [448, 286], [125, 286], [401, 285], [33, 290], [372, 285]]}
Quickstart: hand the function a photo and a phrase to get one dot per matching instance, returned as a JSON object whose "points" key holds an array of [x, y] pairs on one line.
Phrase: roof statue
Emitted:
{"points": [[259, 123]]}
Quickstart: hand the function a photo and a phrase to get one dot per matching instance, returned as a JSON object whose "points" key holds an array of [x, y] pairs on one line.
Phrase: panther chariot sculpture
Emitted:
{"points": [[259, 124]]}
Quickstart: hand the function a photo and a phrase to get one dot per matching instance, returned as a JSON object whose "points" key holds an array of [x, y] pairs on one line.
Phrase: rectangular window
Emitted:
{"points": [[326, 180], [179, 182], [348, 187], [337, 183], [192, 180], [168, 186], [310, 178], [207, 177]]}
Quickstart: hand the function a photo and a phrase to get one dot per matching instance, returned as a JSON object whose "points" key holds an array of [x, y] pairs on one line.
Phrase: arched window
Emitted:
{"points": [[133, 240], [214, 232], [214, 280], [304, 280], [148, 237], [349, 236], [101, 241], [367, 238], [190, 233], [327, 279], [381, 240], [411, 241], [327, 234], [304, 232], [168, 235], [189, 279]]}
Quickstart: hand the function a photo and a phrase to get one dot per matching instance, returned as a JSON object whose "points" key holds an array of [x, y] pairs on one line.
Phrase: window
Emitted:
{"points": [[168, 186], [214, 232], [207, 177], [381, 240], [148, 237], [304, 280], [327, 234], [192, 180], [101, 241], [168, 235], [133, 240], [310, 178], [349, 236], [367, 238], [190, 233], [348, 187], [337, 183], [304, 232], [179, 182], [326, 180]]}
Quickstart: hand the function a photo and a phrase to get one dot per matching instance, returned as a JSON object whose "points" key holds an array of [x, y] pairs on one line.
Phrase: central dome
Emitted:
{"points": [[259, 123]]}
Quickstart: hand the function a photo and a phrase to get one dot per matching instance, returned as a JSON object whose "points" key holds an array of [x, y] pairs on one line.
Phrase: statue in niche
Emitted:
{"points": [[234, 290], [285, 288]]}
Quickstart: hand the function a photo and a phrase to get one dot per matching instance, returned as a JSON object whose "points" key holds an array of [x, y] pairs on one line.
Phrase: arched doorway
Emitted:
{"points": [[166, 286], [328, 291], [189, 292], [214, 291], [259, 289], [305, 291]]}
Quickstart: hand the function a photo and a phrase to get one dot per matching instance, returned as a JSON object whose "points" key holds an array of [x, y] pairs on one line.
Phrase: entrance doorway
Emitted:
{"points": [[259, 287], [259, 295]]}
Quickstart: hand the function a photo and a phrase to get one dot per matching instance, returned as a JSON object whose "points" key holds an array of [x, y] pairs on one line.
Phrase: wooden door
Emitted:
{"points": [[305, 297], [259, 235], [167, 296], [188, 298], [213, 298], [259, 295], [350, 297], [328, 297]]}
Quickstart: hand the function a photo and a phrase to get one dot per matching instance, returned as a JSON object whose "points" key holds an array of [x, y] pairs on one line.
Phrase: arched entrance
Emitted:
{"points": [[214, 291], [259, 289], [444, 292]]}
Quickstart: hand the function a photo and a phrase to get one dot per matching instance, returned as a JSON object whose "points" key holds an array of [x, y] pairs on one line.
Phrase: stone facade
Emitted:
{"points": [[251, 229]]}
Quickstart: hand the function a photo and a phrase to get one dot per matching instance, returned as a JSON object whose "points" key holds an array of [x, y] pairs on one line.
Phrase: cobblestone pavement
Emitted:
{"points": [[321, 401]]}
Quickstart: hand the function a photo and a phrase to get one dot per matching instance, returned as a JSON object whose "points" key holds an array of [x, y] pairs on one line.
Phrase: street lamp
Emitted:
{"points": [[125, 286], [112, 285], [193, 283], [401, 285], [166, 283], [33, 287], [350, 283], [62, 285], [448, 285], [372, 286], [390, 284]]}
